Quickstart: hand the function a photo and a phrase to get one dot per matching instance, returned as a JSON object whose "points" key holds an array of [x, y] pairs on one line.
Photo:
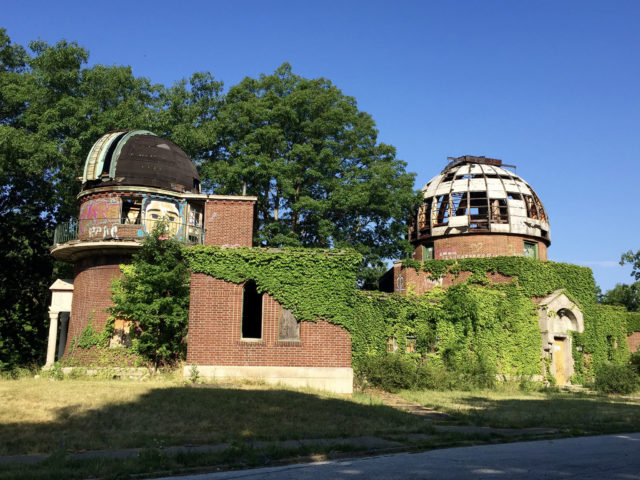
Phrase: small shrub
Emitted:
{"points": [[391, 372], [616, 379], [194, 374], [432, 375], [634, 361]]}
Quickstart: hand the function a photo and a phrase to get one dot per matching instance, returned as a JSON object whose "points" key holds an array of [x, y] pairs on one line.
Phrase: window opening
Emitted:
{"points": [[131, 208], [459, 203], [514, 196], [499, 211], [530, 249], [411, 345], [391, 345], [448, 177], [478, 210], [251, 311], [444, 209], [289, 327]]}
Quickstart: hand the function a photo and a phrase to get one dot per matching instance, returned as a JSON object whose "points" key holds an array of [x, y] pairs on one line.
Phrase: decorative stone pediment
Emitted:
{"points": [[559, 315]]}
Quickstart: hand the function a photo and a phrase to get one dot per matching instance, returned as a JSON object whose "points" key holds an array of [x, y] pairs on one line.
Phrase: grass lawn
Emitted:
{"points": [[42, 416], [573, 413], [72, 415]]}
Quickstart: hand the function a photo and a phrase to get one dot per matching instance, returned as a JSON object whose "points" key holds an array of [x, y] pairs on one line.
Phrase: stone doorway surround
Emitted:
{"points": [[61, 296], [558, 316]]}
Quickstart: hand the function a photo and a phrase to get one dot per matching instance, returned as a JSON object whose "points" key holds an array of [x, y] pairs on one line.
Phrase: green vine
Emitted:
{"points": [[313, 284]]}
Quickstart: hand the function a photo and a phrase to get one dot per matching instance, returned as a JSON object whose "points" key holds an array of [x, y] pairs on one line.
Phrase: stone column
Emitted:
{"points": [[53, 334]]}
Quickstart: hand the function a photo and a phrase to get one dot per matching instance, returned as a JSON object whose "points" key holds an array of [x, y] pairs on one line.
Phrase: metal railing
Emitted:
{"points": [[115, 229]]}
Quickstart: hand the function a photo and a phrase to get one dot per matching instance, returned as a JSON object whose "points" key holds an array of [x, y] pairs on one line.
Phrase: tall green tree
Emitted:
{"points": [[154, 293], [622, 295], [634, 260], [314, 161], [52, 109]]}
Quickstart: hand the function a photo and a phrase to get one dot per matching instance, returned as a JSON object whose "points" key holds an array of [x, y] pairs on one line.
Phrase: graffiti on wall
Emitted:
{"points": [[171, 211], [99, 218]]}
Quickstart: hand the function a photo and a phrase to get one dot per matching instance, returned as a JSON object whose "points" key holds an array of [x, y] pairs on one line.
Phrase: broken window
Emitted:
{"points": [[530, 249], [289, 327], [131, 208], [499, 210], [514, 196], [459, 203], [251, 311], [391, 345], [478, 210], [443, 209], [411, 345]]}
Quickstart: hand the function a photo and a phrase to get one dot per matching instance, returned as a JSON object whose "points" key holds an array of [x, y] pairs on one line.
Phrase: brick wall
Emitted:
{"points": [[229, 222], [634, 342], [92, 292], [419, 282], [479, 246], [215, 337]]}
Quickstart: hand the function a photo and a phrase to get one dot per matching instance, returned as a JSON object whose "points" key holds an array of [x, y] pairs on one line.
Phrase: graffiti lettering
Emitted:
{"points": [[104, 231]]}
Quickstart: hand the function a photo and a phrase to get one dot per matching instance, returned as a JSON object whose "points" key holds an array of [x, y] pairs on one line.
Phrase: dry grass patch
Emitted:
{"points": [[576, 413], [41, 416]]}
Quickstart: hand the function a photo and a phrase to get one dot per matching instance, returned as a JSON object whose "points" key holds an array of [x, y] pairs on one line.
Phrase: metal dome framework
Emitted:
{"points": [[476, 195]]}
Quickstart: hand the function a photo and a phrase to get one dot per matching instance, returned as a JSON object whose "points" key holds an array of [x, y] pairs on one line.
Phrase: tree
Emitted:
{"points": [[634, 260], [622, 295], [52, 110], [154, 293], [313, 160]]}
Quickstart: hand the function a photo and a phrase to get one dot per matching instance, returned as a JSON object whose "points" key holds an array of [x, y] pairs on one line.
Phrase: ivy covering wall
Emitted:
{"points": [[474, 319]]}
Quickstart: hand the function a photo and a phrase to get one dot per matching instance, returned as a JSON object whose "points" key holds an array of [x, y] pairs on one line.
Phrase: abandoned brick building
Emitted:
{"points": [[132, 180], [475, 208]]}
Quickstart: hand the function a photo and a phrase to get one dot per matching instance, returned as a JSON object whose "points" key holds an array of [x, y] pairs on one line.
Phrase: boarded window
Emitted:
{"points": [[251, 311], [530, 249], [289, 326]]}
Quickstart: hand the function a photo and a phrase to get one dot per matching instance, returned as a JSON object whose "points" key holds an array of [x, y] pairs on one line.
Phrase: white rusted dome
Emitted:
{"points": [[477, 195]]}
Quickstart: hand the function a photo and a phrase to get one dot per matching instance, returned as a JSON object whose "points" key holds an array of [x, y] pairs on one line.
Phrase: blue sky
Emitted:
{"points": [[550, 86]]}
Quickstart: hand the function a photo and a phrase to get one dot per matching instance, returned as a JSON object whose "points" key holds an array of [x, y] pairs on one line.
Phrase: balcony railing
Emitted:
{"points": [[114, 229]]}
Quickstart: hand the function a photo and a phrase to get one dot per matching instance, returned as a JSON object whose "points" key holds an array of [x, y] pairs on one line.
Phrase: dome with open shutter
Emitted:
{"points": [[139, 158], [478, 195]]}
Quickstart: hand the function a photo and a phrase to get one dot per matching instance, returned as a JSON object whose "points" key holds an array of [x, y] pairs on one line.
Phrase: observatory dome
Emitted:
{"points": [[477, 195], [139, 158]]}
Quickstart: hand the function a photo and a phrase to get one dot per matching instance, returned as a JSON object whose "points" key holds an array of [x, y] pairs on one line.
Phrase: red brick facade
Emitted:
{"points": [[634, 342], [228, 222], [215, 337], [408, 280], [479, 246], [92, 292]]}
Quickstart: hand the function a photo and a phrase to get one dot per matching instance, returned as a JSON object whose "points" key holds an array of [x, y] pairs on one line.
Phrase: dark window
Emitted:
{"points": [[251, 311], [427, 251]]}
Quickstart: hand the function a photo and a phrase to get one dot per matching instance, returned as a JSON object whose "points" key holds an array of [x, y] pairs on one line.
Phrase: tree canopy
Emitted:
{"points": [[300, 145], [634, 260], [313, 160]]}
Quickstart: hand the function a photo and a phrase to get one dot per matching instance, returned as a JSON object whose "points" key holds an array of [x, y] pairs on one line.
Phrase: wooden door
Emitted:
{"points": [[558, 357]]}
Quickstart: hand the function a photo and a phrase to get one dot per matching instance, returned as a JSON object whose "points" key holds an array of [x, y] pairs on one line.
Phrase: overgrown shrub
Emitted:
{"points": [[433, 375], [390, 372], [634, 362], [616, 379]]}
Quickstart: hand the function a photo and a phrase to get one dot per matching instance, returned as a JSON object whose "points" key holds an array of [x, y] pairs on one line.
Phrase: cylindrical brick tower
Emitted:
{"points": [[131, 180]]}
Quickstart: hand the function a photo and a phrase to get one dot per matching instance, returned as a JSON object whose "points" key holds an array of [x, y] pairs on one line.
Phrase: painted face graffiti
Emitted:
{"points": [[158, 210]]}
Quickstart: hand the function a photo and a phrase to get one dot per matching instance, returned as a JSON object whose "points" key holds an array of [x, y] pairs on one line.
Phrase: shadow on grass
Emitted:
{"points": [[571, 412], [204, 415]]}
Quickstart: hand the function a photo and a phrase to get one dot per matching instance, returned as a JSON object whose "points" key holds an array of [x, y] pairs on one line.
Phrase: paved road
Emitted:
{"points": [[603, 457]]}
